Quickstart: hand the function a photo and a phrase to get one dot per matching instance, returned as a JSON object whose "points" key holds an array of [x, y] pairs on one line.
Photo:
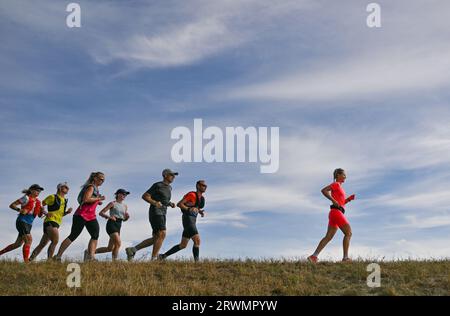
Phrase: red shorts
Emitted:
{"points": [[337, 219]]}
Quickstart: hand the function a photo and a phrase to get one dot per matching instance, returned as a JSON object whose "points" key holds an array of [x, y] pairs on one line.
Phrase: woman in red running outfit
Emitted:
{"points": [[336, 194], [28, 207]]}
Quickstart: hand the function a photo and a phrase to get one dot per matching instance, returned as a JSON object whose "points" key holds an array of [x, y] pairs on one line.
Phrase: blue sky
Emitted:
{"points": [[107, 95]]}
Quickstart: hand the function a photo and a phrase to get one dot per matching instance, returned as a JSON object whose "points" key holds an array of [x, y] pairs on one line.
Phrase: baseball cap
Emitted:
{"points": [[169, 172], [36, 187], [122, 191], [62, 184]]}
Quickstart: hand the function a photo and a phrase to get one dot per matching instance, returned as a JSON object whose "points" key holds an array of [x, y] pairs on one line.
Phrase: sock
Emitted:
{"points": [[7, 249], [33, 255], [26, 252], [173, 250], [196, 252]]}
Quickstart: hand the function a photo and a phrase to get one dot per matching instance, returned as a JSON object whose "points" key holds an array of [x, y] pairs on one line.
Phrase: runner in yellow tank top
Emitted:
{"points": [[57, 209]]}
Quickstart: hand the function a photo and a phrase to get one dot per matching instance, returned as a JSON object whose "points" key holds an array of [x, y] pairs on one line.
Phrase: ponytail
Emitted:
{"points": [[26, 191], [91, 178]]}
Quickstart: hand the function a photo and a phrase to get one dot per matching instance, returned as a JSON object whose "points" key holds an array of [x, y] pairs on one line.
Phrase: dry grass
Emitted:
{"points": [[229, 278]]}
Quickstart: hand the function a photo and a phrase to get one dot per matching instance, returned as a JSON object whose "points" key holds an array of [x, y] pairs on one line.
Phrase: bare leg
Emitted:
{"points": [[106, 249], [38, 249], [53, 235], [196, 240], [65, 244], [160, 236], [347, 230], [92, 247], [15, 245], [325, 240], [117, 243], [184, 242]]}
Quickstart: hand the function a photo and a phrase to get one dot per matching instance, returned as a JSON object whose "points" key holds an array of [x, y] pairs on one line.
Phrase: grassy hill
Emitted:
{"points": [[226, 278]]}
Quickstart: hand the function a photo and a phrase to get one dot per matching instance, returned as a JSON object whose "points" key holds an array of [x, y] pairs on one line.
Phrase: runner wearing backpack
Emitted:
{"points": [[56, 210], [191, 205], [30, 207], [85, 216]]}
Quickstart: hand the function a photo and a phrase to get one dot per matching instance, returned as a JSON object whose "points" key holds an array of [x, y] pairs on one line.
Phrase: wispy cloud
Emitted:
{"points": [[182, 46], [356, 77], [408, 54]]}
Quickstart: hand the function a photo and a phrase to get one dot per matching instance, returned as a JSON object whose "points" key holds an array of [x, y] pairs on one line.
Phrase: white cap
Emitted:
{"points": [[62, 184]]}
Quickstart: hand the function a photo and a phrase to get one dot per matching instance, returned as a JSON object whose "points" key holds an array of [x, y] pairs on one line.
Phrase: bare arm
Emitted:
{"points": [[127, 215], [148, 198], [89, 199], [326, 192], [14, 205], [106, 209], [68, 211], [350, 198], [185, 207]]}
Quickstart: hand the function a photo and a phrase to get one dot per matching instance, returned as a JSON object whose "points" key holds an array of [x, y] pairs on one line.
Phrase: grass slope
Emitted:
{"points": [[226, 278]]}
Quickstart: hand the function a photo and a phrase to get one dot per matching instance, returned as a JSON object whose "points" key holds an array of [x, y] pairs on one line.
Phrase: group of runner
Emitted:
{"points": [[159, 197]]}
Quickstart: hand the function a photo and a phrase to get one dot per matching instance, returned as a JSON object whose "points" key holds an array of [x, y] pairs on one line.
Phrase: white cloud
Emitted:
{"points": [[356, 77], [408, 54], [415, 221], [182, 46]]}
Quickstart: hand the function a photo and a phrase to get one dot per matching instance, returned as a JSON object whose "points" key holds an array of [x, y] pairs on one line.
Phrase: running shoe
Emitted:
{"points": [[313, 259], [346, 260], [131, 251]]}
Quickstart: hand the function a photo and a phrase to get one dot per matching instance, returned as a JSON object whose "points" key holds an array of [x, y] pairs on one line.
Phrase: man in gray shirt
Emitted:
{"points": [[158, 196]]}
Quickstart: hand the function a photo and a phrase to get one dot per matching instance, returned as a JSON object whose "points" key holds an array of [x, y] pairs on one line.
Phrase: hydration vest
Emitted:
{"points": [[57, 204], [199, 201], [33, 206], [83, 190]]}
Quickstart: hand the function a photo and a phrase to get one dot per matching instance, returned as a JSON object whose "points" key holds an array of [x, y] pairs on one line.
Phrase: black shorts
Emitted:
{"points": [[23, 228], [158, 222], [189, 226], [50, 223], [78, 223], [113, 226]]}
